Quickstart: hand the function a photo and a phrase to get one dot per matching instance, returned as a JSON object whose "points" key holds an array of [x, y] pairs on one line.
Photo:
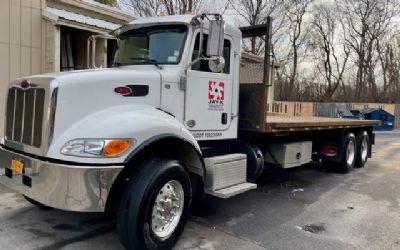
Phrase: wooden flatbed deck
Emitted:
{"points": [[276, 123]]}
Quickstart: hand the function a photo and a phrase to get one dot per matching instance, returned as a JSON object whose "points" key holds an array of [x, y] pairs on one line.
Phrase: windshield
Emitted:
{"points": [[151, 45]]}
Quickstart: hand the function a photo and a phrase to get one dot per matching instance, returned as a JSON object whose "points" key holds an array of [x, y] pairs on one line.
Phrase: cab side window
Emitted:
{"points": [[203, 64]]}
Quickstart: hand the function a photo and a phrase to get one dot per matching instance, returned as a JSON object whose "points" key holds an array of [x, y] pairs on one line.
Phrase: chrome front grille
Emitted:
{"points": [[24, 115]]}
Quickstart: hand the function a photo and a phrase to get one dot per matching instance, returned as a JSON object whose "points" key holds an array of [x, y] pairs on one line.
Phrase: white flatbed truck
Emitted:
{"points": [[167, 123]]}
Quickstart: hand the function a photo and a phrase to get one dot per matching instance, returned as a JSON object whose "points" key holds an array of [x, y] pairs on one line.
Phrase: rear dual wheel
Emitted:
{"points": [[349, 154], [355, 153]]}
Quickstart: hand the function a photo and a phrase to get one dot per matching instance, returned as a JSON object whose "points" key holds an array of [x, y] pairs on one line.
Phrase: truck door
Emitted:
{"points": [[208, 97]]}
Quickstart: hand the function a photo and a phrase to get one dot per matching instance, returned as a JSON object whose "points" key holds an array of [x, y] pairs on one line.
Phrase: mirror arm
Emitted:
{"points": [[200, 55], [88, 53], [182, 85], [91, 49], [94, 53], [199, 58]]}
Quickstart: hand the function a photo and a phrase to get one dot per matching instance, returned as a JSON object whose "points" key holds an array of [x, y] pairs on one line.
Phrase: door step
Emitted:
{"points": [[225, 193]]}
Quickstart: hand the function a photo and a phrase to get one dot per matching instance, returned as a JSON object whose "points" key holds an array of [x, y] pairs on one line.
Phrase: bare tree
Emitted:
{"points": [[365, 22], [328, 38], [295, 11], [389, 57], [255, 12], [348, 47], [392, 89], [159, 7]]}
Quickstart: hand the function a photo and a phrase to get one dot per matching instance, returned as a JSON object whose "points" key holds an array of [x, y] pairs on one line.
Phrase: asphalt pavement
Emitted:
{"points": [[301, 208]]}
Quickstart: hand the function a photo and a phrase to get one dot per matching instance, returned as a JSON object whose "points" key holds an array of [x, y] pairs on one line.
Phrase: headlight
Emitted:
{"points": [[96, 147]]}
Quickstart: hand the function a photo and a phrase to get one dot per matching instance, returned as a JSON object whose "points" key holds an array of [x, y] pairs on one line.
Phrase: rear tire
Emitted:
{"points": [[349, 154], [155, 205], [363, 145]]}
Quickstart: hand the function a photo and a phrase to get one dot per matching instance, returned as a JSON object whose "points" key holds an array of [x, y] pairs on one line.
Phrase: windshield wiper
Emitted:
{"points": [[146, 60], [152, 61]]}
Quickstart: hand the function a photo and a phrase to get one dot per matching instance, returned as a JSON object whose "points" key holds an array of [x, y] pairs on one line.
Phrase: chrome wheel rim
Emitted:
{"points": [[350, 153], [167, 209], [364, 148]]}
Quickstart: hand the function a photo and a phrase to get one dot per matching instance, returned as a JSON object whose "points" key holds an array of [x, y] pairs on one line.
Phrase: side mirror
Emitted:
{"points": [[217, 65], [215, 38]]}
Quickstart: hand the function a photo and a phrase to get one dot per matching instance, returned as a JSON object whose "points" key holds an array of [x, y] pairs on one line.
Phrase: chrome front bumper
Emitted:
{"points": [[67, 187]]}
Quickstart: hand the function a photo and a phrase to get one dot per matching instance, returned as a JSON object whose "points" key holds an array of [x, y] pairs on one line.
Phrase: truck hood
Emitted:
{"points": [[82, 93], [78, 94], [47, 106]]}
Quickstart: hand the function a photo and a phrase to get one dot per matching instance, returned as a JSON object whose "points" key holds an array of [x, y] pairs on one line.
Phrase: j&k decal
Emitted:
{"points": [[216, 95]]}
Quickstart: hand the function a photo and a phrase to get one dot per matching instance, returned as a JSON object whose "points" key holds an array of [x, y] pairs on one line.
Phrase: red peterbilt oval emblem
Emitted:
{"points": [[25, 84], [123, 90]]}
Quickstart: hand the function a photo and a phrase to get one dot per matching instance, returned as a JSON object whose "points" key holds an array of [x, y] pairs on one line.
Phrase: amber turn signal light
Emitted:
{"points": [[115, 147]]}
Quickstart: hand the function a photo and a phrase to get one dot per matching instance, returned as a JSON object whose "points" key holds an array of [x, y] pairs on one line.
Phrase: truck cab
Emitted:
{"points": [[205, 102], [155, 131], [76, 140]]}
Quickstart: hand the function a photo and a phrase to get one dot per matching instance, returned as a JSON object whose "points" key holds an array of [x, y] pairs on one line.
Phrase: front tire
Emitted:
{"points": [[155, 205]]}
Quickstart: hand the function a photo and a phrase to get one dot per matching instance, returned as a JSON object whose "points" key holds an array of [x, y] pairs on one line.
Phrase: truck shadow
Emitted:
{"points": [[51, 229], [281, 195]]}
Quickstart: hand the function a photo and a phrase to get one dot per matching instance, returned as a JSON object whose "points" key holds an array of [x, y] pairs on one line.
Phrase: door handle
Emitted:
{"points": [[224, 118]]}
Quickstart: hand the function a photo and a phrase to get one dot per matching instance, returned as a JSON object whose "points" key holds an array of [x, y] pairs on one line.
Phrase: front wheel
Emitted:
{"points": [[155, 205]]}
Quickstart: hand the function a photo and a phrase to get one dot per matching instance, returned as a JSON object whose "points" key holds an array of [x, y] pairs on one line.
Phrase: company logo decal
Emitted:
{"points": [[216, 95]]}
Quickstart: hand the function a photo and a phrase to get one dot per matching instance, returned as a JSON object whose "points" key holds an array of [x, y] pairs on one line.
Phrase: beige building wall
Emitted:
{"points": [[51, 47], [30, 42], [20, 43]]}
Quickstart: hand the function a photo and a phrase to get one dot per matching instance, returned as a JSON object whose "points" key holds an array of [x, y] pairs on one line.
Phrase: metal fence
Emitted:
{"points": [[330, 109]]}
